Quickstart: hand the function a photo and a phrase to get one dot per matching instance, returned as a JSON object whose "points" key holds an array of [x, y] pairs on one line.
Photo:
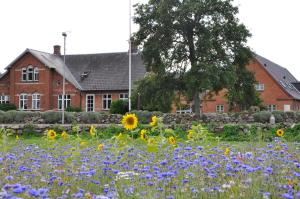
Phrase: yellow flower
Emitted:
{"points": [[280, 132], [191, 134], [51, 134], [151, 141], [64, 135], [172, 140], [83, 144], [92, 130], [130, 121], [88, 196], [227, 151], [153, 121], [17, 137], [143, 134], [100, 147]]}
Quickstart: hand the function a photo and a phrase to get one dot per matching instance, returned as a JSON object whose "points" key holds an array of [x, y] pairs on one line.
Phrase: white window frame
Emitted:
{"points": [[106, 101], [23, 101], [36, 75], [4, 99], [271, 107], [87, 103], [60, 100], [220, 108], [36, 101], [260, 87], [30, 72], [122, 96], [24, 74]]}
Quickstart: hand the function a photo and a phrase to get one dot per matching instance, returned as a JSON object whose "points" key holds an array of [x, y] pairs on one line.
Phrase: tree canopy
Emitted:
{"points": [[198, 40]]}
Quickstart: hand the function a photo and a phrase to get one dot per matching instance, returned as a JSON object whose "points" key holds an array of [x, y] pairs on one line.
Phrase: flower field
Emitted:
{"points": [[142, 165]]}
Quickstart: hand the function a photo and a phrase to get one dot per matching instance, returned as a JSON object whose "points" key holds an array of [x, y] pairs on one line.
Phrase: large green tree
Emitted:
{"points": [[196, 39]]}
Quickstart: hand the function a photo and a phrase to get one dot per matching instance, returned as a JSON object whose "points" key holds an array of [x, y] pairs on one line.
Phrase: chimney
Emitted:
{"points": [[56, 50]]}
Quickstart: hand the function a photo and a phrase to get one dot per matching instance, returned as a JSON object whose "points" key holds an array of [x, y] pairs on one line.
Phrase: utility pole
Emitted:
{"points": [[129, 54], [64, 34]]}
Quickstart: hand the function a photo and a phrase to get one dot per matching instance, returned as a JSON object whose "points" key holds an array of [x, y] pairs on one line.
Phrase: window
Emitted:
{"points": [[4, 99], [123, 96], [36, 101], [271, 107], [259, 87], [90, 101], [220, 108], [29, 73], [24, 74], [36, 74], [23, 101], [106, 101], [67, 101]]}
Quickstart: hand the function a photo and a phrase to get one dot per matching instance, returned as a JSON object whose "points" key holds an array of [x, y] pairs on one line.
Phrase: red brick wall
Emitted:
{"points": [[4, 84], [272, 94]]}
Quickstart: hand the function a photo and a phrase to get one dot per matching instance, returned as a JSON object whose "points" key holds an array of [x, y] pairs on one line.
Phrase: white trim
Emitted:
{"points": [[66, 100], [86, 101], [35, 97], [106, 99], [123, 97], [22, 108], [220, 108]]}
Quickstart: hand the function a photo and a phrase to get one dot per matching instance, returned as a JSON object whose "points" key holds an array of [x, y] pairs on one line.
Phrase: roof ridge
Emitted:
{"points": [[106, 53], [40, 51], [271, 61]]}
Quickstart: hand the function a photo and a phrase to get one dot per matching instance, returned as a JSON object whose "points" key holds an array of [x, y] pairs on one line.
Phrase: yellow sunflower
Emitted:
{"points": [[280, 132], [51, 134], [143, 134], [227, 151], [100, 147], [191, 134], [64, 135], [130, 121], [172, 140], [83, 144], [153, 121], [151, 141], [92, 131]]}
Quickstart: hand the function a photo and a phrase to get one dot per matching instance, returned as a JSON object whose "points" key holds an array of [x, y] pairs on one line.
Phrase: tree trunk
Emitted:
{"points": [[197, 105]]}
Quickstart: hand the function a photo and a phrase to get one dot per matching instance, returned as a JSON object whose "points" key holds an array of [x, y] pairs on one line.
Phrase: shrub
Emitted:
{"points": [[279, 116], [90, 117], [119, 107], [73, 109], [7, 107], [51, 117], [2, 117], [262, 117], [29, 130], [145, 116]]}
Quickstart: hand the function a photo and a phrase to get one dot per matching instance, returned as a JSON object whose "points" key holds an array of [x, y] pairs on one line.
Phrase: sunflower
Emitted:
{"points": [[227, 151], [64, 135], [143, 134], [172, 140], [280, 132], [92, 131], [151, 141], [153, 121], [100, 147], [51, 134], [130, 121], [191, 134], [83, 144]]}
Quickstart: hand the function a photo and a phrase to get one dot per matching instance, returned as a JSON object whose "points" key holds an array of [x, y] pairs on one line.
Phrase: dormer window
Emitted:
{"points": [[30, 74]]}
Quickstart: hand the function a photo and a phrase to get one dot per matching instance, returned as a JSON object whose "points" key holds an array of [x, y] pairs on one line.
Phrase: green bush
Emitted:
{"points": [[52, 117], [73, 109], [119, 107], [90, 117], [144, 117], [2, 117], [279, 116], [262, 117], [29, 130], [7, 107]]}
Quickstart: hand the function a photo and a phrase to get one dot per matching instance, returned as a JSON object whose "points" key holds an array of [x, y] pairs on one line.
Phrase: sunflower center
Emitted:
{"points": [[130, 121]]}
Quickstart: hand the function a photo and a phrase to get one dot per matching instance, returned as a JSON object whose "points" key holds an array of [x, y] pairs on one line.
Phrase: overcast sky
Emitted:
{"points": [[98, 26]]}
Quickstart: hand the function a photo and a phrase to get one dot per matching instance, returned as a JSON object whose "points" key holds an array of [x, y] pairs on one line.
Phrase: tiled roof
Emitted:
{"points": [[107, 71], [283, 77]]}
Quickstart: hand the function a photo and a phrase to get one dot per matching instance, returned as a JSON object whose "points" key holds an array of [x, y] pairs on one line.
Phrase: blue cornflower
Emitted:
{"points": [[298, 195], [9, 178], [33, 193], [287, 196]]}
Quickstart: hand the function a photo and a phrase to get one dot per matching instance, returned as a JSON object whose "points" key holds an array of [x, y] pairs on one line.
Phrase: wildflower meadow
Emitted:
{"points": [[146, 161]]}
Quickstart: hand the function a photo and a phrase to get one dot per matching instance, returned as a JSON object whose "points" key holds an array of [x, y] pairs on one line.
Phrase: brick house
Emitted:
{"points": [[33, 81], [278, 88]]}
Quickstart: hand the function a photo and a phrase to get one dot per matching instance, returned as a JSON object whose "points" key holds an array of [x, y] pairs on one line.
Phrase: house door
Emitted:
{"points": [[286, 107]]}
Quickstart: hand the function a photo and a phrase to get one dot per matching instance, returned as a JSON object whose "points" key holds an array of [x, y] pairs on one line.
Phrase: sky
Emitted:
{"points": [[98, 26]]}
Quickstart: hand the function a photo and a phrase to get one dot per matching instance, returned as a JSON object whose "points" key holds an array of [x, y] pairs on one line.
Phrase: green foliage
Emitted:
{"points": [[29, 130], [51, 117], [154, 93], [119, 107], [7, 107], [144, 117], [279, 116], [109, 132], [262, 117], [198, 41], [73, 109]]}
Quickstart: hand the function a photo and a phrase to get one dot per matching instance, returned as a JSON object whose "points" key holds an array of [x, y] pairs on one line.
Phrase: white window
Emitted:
{"points": [[123, 96], [30, 73], [67, 101], [106, 101], [271, 107], [24, 74], [36, 74], [36, 101], [23, 101], [220, 108], [4, 99], [90, 103], [259, 87]]}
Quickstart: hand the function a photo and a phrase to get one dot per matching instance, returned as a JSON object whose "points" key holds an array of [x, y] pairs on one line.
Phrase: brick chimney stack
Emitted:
{"points": [[56, 50]]}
